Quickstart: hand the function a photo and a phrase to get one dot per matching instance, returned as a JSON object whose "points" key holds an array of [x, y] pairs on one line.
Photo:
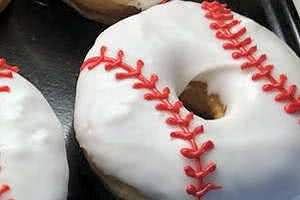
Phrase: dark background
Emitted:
{"points": [[49, 41]]}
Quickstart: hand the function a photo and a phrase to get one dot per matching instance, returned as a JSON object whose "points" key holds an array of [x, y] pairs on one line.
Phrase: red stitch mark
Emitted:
{"points": [[224, 22], [3, 190], [163, 1], [6, 71], [199, 172]]}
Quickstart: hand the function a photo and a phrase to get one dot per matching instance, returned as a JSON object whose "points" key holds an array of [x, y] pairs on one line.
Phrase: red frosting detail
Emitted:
{"points": [[3, 190], [195, 152], [6, 71], [223, 24], [163, 1]]}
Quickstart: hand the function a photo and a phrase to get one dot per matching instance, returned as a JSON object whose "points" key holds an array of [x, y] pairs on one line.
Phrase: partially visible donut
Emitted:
{"points": [[32, 149], [3, 4], [110, 11], [139, 137]]}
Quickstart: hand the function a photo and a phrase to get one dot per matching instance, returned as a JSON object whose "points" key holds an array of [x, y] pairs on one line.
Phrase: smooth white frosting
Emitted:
{"points": [[257, 143], [32, 149], [297, 4]]}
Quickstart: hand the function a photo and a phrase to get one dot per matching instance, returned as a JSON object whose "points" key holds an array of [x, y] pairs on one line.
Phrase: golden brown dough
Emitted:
{"points": [[3, 4], [121, 190], [196, 99], [104, 11]]}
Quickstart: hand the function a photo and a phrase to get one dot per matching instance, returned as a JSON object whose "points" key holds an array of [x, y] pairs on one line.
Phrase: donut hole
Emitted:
{"points": [[196, 99]]}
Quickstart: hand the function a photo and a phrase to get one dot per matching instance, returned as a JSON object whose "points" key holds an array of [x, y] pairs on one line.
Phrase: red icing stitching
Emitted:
{"points": [[199, 172], [224, 22], [163, 1], [3, 190], [6, 71]]}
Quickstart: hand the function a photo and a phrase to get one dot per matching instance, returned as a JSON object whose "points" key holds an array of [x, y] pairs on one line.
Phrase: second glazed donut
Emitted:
{"points": [[138, 135]]}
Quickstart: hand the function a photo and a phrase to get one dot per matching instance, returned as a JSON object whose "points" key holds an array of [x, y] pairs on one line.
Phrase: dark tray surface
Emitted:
{"points": [[48, 40]]}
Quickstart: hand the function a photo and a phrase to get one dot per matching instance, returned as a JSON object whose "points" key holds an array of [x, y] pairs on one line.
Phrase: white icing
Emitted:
{"points": [[33, 156], [257, 143], [297, 4]]}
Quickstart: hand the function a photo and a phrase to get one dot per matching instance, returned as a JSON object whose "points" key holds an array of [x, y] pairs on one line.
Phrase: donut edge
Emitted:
{"points": [[118, 188], [3, 4], [105, 16]]}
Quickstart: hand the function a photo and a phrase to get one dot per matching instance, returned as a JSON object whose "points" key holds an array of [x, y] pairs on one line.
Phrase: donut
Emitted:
{"points": [[297, 4], [32, 149], [3, 4], [144, 143], [110, 11]]}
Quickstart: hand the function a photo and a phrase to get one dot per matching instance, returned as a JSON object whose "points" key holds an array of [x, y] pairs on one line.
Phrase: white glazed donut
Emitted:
{"points": [[33, 156], [121, 124]]}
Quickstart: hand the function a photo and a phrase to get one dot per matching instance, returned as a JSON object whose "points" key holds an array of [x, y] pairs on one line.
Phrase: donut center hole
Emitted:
{"points": [[195, 98]]}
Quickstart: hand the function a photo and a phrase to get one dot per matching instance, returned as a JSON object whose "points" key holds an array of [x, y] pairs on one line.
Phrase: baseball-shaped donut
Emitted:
{"points": [[110, 11], [3, 4], [32, 149], [145, 144]]}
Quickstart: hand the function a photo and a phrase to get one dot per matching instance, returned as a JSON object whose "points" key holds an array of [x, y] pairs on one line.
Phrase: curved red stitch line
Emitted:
{"points": [[224, 22], [175, 119], [6, 71]]}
